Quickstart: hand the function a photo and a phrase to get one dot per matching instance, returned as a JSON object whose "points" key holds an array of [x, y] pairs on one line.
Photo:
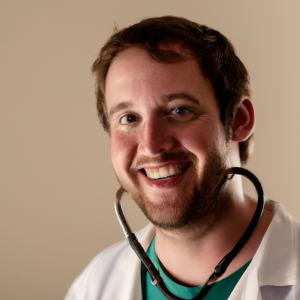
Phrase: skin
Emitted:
{"points": [[145, 125]]}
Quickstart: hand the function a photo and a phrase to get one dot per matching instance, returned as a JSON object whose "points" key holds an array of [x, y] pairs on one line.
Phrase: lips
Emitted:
{"points": [[165, 172]]}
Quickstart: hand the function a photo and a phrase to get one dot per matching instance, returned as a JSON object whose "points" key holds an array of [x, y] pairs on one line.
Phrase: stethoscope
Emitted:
{"points": [[156, 279]]}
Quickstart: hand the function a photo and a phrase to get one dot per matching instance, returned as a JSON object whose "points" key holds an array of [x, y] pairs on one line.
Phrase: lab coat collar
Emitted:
{"points": [[274, 270], [277, 258]]}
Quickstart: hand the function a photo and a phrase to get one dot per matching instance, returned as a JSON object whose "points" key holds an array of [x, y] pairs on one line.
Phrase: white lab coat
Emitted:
{"points": [[273, 274]]}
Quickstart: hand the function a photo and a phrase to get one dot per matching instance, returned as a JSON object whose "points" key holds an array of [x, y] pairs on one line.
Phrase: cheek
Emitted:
{"points": [[197, 141], [201, 140], [122, 152]]}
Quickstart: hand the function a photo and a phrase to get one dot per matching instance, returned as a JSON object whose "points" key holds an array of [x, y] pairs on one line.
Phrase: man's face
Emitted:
{"points": [[168, 145]]}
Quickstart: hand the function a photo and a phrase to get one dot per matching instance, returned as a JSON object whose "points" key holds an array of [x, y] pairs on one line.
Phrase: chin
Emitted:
{"points": [[169, 211]]}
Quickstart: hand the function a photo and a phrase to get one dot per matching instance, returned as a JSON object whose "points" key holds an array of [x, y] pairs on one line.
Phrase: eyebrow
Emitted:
{"points": [[120, 106], [180, 95], [166, 98]]}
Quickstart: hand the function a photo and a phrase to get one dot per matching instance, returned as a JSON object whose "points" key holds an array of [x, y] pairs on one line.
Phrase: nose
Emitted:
{"points": [[156, 137]]}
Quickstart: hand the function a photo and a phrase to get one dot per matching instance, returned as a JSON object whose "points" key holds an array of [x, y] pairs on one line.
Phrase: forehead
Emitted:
{"points": [[134, 75]]}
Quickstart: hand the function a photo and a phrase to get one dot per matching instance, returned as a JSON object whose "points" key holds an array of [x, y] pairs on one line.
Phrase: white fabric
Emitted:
{"points": [[274, 272]]}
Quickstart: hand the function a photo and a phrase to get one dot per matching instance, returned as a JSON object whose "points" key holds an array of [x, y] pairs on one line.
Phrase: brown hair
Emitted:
{"points": [[212, 50]]}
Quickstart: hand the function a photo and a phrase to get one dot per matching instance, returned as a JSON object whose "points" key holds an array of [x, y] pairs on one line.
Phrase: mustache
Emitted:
{"points": [[162, 158]]}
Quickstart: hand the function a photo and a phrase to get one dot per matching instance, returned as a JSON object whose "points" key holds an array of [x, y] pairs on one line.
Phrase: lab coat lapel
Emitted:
{"points": [[132, 265]]}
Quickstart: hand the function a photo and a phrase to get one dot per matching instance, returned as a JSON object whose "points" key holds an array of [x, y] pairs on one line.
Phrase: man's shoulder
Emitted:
{"points": [[282, 215], [113, 265], [108, 257], [283, 228], [277, 257], [97, 271]]}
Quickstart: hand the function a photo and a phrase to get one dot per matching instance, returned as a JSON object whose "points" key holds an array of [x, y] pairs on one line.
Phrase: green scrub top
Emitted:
{"points": [[221, 290]]}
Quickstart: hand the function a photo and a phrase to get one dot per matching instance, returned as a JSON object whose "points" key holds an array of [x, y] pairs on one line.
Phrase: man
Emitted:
{"points": [[175, 99]]}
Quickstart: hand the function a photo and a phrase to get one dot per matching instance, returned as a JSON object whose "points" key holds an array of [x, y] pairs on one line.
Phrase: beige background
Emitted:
{"points": [[57, 182]]}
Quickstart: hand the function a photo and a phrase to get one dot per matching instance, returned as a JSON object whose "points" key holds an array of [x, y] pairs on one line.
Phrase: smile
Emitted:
{"points": [[165, 172]]}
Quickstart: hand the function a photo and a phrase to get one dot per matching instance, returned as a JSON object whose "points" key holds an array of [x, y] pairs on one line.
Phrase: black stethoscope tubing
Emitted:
{"points": [[156, 279]]}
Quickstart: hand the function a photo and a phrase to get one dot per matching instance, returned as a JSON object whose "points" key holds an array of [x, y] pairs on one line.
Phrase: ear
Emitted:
{"points": [[244, 121]]}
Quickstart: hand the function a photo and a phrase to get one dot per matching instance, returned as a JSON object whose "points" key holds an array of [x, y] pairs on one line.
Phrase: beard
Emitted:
{"points": [[203, 204]]}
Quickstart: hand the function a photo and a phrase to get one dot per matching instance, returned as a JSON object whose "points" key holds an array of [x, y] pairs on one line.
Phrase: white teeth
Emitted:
{"points": [[171, 170], [156, 174], [165, 172]]}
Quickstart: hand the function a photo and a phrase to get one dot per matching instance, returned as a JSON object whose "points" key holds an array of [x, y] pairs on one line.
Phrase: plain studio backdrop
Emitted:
{"points": [[57, 182]]}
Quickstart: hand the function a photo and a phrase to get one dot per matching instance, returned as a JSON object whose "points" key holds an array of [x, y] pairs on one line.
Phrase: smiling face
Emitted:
{"points": [[168, 145]]}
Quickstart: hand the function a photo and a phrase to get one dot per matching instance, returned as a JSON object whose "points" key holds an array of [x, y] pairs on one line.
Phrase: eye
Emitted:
{"points": [[128, 119], [180, 111]]}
